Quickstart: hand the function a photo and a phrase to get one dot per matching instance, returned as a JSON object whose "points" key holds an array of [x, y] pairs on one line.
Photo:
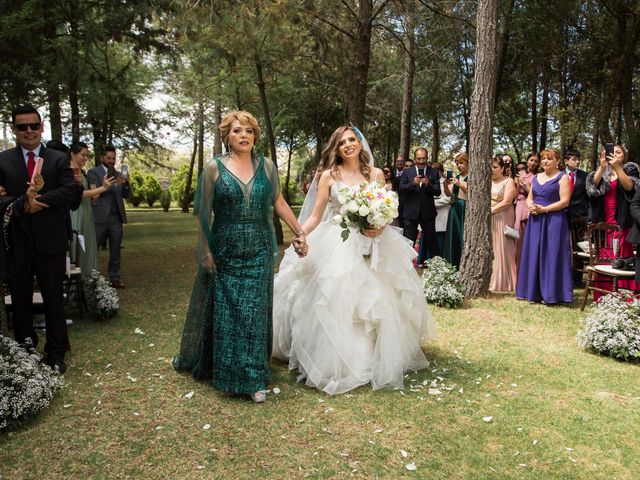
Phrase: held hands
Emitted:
{"points": [[208, 263], [32, 205], [535, 209], [300, 245], [418, 180]]}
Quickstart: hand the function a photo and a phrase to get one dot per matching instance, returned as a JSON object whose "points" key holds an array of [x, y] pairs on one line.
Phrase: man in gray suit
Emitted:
{"points": [[108, 210]]}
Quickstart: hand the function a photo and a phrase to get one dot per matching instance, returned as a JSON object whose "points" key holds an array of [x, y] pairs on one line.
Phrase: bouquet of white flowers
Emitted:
{"points": [[365, 205], [102, 298], [613, 327], [26, 384]]}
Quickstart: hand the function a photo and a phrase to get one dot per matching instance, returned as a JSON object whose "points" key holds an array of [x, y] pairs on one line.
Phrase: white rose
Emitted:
{"points": [[352, 207], [337, 219], [363, 211], [342, 198]]}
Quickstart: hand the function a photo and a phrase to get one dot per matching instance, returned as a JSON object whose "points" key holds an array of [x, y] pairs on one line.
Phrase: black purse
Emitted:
{"points": [[628, 263]]}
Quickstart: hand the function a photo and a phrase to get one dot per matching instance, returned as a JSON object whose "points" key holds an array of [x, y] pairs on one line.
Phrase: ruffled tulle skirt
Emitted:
{"points": [[352, 312]]}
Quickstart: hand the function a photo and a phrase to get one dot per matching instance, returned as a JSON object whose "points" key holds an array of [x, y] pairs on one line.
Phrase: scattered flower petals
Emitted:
{"points": [[535, 442], [159, 427], [434, 391], [411, 467], [152, 345], [138, 331], [67, 405], [378, 430], [276, 390], [487, 419], [404, 453], [206, 426], [189, 395], [108, 366]]}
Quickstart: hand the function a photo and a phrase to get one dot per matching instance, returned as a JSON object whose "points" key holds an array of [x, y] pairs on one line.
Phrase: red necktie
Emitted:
{"points": [[573, 180], [31, 164]]}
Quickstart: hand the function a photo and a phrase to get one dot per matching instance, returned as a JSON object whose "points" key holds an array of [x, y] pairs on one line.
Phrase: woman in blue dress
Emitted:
{"points": [[545, 264], [227, 333]]}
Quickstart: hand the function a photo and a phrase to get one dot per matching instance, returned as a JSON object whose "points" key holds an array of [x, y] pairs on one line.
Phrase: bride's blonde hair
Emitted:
{"points": [[330, 158]]}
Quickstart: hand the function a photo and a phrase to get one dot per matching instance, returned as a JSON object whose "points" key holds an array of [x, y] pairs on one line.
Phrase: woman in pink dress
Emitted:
{"points": [[524, 179], [610, 189], [503, 192]]}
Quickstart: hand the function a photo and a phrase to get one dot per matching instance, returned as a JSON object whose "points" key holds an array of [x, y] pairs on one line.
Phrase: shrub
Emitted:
{"points": [[613, 328], [152, 190], [136, 183], [102, 298], [26, 384], [441, 284], [179, 182], [165, 199]]}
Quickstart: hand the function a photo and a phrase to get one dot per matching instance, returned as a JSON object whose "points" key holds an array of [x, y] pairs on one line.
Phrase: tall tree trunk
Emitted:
{"points": [[534, 116], [502, 46], [200, 121], [357, 88], [270, 137], [55, 115], [72, 83], [544, 114], [217, 116], [409, 70], [435, 146], [291, 144], [477, 255], [186, 194]]}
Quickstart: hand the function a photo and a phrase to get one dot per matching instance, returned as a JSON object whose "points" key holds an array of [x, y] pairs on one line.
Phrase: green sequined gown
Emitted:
{"points": [[228, 330]]}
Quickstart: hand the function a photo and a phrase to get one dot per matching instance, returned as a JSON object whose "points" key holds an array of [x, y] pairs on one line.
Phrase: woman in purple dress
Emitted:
{"points": [[545, 265]]}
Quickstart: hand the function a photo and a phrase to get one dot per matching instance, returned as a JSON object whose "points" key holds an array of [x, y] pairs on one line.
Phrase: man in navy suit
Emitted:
{"points": [[579, 204], [38, 239], [419, 185], [108, 210]]}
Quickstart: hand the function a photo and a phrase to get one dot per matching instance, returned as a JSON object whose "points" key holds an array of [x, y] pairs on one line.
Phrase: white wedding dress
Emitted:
{"points": [[344, 320]]}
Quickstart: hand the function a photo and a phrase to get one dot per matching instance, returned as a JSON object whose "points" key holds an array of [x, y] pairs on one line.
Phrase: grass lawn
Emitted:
{"points": [[556, 412]]}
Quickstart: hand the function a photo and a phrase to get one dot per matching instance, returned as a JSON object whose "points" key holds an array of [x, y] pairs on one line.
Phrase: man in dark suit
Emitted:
{"points": [[108, 210], [579, 204], [38, 232], [419, 185], [401, 165]]}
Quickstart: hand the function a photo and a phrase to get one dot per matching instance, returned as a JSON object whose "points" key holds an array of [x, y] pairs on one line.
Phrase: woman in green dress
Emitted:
{"points": [[228, 329], [82, 217], [454, 237]]}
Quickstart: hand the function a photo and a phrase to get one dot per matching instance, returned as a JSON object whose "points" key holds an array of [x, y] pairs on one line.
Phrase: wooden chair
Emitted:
{"points": [[602, 249], [578, 228], [74, 277]]}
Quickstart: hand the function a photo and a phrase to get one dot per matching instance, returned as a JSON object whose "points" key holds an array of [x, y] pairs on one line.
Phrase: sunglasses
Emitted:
{"points": [[22, 127]]}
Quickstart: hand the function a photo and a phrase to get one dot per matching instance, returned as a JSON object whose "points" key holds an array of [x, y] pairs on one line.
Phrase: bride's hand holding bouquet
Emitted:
{"points": [[369, 207]]}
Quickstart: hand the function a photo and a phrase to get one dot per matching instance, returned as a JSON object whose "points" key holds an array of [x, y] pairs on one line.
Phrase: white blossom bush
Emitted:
{"points": [[441, 284], [613, 328], [26, 384], [102, 298]]}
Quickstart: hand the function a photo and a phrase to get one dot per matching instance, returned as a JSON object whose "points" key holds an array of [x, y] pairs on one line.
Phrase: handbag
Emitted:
{"points": [[511, 232], [628, 263]]}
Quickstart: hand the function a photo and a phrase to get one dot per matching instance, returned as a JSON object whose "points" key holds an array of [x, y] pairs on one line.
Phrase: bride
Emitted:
{"points": [[352, 312]]}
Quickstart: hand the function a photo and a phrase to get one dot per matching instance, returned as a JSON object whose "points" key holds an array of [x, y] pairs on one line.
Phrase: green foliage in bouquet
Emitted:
{"points": [[441, 283], [27, 385], [136, 183], [102, 298], [613, 328], [165, 199]]}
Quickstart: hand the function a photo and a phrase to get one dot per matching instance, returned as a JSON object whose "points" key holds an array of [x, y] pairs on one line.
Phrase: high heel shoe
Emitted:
{"points": [[259, 397]]}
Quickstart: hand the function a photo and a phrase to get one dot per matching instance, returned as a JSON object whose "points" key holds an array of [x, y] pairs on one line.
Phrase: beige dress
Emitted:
{"points": [[504, 271]]}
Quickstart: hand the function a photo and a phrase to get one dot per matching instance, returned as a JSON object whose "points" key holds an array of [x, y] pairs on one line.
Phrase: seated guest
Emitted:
{"points": [[545, 265], [610, 189], [454, 238], [503, 193]]}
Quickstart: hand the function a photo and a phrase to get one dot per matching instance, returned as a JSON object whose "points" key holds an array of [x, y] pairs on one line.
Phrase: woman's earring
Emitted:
{"points": [[229, 151]]}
